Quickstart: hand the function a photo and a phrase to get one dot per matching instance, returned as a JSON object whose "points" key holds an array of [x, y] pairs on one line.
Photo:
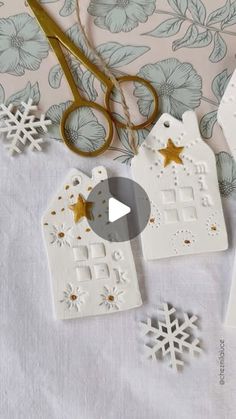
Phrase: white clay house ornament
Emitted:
{"points": [[227, 114], [90, 276], [177, 169]]}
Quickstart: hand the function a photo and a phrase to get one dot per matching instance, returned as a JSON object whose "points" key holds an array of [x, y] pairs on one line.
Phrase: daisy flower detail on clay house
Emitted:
{"points": [[73, 297], [60, 235], [112, 298]]}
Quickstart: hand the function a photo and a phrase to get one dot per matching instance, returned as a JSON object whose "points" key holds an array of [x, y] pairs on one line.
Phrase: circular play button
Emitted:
{"points": [[120, 209]]}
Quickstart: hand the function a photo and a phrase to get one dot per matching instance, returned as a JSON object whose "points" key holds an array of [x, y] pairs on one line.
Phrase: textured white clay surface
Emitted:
{"points": [[227, 114], [187, 214], [227, 120], [90, 276]]}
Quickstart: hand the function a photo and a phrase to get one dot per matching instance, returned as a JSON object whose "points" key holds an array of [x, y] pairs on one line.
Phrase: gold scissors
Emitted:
{"points": [[57, 38]]}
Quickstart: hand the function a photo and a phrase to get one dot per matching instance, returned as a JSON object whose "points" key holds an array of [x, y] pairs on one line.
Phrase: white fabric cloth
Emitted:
{"points": [[94, 368]]}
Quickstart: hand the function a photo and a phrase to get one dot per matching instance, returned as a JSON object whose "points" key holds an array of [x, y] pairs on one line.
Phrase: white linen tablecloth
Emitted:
{"points": [[94, 368]]}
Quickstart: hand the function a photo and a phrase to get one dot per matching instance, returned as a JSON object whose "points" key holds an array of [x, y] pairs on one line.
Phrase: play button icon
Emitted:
{"points": [[120, 209], [117, 210]]}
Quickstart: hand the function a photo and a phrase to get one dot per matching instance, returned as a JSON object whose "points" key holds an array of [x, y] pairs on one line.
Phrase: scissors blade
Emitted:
{"points": [[47, 24], [52, 30]]}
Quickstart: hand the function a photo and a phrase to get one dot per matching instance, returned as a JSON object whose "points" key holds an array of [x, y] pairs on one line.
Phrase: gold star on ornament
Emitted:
{"points": [[171, 153], [81, 209]]}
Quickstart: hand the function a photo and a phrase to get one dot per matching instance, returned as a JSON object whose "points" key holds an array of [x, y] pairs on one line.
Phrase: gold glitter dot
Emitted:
{"points": [[61, 235], [213, 228], [53, 212], [73, 297], [59, 197], [78, 238], [110, 298], [88, 230], [99, 172], [152, 220], [72, 196], [63, 209], [45, 224], [187, 242], [90, 188], [67, 187]]}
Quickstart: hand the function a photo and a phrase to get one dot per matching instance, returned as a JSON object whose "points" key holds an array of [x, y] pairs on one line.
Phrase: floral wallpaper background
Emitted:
{"points": [[185, 48]]}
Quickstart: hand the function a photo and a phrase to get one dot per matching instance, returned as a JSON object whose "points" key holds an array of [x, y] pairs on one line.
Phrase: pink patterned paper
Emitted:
{"points": [[187, 53]]}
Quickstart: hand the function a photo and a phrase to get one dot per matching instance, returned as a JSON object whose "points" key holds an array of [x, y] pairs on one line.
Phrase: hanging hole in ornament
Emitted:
{"points": [[76, 180], [166, 124]]}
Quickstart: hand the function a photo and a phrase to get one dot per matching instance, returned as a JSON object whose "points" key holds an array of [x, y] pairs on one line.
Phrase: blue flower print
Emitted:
{"points": [[178, 86], [22, 44], [82, 127], [226, 168], [84, 130], [201, 29], [68, 7], [121, 15]]}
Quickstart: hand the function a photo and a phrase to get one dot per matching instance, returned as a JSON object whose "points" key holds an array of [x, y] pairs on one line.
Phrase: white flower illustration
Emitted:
{"points": [[112, 298], [73, 297], [60, 235]]}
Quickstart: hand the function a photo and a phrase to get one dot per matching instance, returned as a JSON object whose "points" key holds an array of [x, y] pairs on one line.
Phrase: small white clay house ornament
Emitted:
{"points": [[227, 114], [90, 276], [177, 169]]}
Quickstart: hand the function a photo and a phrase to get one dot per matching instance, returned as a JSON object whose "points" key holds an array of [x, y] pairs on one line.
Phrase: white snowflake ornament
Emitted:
{"points": [[20, 126], [170, 337]]}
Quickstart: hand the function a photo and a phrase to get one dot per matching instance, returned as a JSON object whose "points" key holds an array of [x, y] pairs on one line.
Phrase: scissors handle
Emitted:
{"points": [[107, 114], [135, 79], [57, 37], [99, 109]]}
